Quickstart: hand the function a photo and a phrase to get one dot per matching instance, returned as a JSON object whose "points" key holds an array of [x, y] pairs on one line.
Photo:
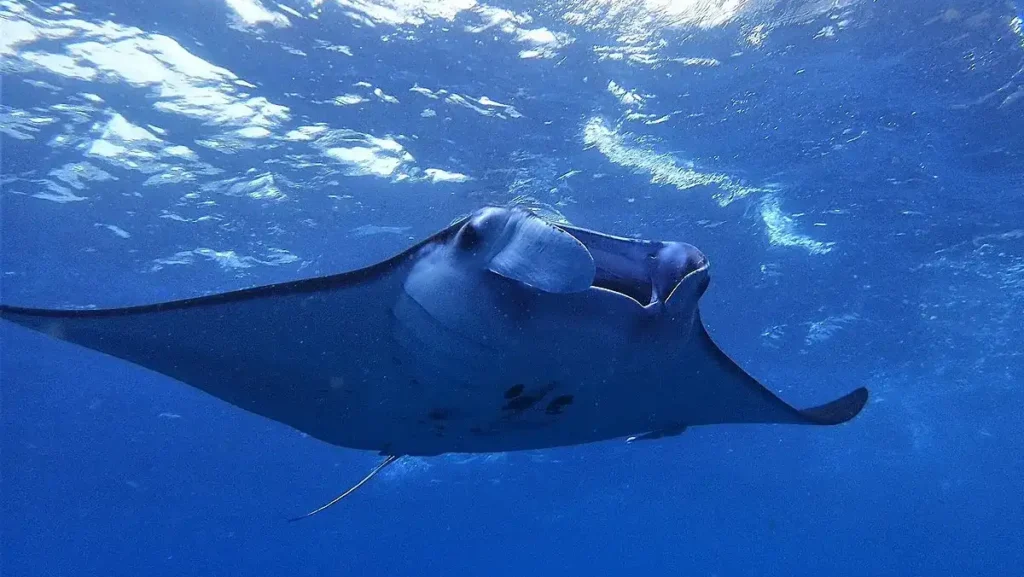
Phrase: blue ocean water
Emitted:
{"points": [[852, 168]]}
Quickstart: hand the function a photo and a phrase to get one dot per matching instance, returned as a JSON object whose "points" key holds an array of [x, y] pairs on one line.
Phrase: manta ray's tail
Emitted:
{"points": [[380, 467]]}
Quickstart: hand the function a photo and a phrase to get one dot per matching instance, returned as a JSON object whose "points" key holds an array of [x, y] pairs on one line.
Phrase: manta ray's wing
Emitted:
{"points": [[715, 390], [291, 352], [734, 396]]}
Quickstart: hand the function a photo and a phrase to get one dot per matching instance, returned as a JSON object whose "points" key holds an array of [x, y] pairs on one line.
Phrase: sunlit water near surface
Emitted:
{"points": [[852, 168]]}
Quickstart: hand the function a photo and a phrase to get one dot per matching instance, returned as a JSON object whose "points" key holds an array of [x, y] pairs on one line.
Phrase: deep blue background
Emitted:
{"points": [[110, 470]]}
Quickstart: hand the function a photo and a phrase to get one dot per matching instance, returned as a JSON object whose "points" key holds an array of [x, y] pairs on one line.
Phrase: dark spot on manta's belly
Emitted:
{"points": [[522, 403], [557, 404], [523, 400], [440, 414]]}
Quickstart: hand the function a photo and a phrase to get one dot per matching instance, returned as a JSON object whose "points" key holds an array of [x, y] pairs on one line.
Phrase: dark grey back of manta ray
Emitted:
{"points": [[365, 359]]}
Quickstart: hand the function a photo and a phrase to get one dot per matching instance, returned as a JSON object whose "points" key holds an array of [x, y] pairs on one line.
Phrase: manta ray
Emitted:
{"points": [[504, 331]]}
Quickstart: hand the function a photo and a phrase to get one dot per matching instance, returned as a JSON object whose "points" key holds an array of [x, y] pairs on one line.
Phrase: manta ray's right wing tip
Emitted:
{"points": [[838, 411]]}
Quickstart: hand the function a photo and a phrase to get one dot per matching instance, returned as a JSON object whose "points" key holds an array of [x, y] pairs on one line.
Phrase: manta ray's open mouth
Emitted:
{"points": [[638, 289], [645, 271]]}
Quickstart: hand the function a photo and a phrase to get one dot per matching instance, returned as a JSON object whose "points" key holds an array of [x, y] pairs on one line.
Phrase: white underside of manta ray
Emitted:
{"points": [[501, 332]]}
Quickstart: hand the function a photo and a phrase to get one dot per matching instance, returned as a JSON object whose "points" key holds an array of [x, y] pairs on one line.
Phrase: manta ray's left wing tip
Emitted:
{"points": [[838, 411], [35, 319]]}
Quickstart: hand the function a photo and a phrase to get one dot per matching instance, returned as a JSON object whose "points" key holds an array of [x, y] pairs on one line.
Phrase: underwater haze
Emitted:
{"points": [[853, 169]]}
